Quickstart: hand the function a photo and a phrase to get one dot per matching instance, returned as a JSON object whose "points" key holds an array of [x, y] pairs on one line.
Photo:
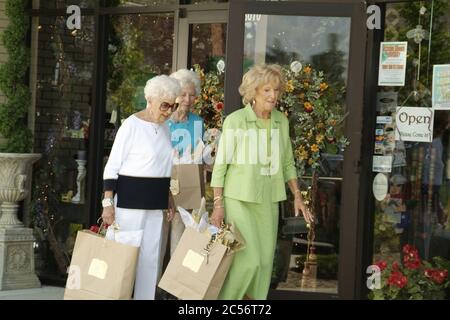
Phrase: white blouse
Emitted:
{"points": [[140, 149]]}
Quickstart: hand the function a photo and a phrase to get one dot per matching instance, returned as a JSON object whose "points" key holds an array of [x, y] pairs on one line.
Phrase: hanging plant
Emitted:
{"points": [[315, 116], [13, 112], [210, 103]]}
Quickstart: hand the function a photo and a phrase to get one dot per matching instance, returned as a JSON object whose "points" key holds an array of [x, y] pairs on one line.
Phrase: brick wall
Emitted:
{"points": [[65, 63]]}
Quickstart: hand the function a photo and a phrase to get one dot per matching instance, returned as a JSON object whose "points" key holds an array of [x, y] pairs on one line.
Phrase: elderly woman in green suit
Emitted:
{"points": [[253, 163]]}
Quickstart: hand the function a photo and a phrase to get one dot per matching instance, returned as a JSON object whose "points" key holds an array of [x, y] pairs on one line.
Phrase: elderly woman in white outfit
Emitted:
{"points": [[137, 178]]}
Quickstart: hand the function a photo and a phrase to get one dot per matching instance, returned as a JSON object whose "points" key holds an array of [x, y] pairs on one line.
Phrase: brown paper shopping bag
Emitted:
{"points": [[193, 275], [187, 185], [101, 269]]}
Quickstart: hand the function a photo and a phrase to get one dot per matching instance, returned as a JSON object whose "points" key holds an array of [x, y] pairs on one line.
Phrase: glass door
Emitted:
{"points": [[313, 43]]}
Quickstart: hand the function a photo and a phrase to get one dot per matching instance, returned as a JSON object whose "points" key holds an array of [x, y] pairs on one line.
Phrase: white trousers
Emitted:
{"points": [[150, 258]]}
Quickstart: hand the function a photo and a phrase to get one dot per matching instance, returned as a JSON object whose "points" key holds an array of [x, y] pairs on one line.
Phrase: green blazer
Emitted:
{"points": [[241, 167]]}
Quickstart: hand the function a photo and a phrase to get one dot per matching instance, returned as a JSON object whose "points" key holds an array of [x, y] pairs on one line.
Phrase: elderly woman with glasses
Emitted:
{"points": [[137, 178]]}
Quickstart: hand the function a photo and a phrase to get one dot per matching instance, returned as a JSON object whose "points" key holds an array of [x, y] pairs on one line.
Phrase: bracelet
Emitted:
{"points": [[107, 202], [218, 198], [218, 207]]}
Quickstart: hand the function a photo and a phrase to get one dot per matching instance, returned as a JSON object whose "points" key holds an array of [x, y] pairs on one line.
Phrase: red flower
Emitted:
{"points": [[429, 273], [397, 279], [219, 106], [412, 260], [95, 228], [381, 264], [408, 249], [395, 266], [437, 275]]}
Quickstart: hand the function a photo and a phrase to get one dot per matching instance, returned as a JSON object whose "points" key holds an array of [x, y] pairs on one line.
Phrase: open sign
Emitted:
{"points": [[414, 124]]}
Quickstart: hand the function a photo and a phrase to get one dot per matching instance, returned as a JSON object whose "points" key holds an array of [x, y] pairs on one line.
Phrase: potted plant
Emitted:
{"points": [[16, 242]]}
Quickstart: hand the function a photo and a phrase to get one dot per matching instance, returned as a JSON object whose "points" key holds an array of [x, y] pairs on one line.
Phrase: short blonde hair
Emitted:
{"points": [[188, 78], [258, 76], [162, 87]]}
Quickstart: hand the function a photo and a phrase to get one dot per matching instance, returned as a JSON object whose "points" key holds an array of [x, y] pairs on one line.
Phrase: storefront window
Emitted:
{"points": [[140, 47], [65, 66], [63, 4], [411, 162], [321, 44]]}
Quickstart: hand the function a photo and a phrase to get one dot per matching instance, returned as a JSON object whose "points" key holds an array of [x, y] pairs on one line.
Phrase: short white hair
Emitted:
{"points": [[162, 87], [188, 78]]}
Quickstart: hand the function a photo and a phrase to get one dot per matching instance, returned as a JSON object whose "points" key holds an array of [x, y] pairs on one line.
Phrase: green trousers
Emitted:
{"points": [[251, 271]]}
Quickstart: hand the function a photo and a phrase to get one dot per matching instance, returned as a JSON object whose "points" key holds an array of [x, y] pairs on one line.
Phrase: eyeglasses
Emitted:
{"points": [[166, 106]]}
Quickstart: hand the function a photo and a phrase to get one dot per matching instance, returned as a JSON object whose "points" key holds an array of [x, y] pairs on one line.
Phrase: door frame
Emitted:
{"points": [[350, 225], [182, 32]]}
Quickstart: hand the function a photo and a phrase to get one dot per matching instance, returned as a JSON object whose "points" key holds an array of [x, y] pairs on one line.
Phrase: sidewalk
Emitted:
{"points": [[43, 293]]}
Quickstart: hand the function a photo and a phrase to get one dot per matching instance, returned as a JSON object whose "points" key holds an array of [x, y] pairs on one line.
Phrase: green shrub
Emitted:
{"points": [[13, 74]]}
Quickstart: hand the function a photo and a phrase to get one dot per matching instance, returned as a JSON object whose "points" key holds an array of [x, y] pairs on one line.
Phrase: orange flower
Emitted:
{"points": [[333, 122], [289, 86], [205, 97], [315, 148], [319, 138], [307, 70], [323, 86], [301, 153], [308, 107]]}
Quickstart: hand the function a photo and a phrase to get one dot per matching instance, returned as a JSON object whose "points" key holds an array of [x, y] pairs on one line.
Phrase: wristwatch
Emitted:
{"points": [[107, 202]]}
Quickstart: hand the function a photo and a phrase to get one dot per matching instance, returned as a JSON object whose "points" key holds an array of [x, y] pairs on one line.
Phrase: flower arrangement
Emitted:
{"points": [[314, 115], [413, 279], [209, 105]]}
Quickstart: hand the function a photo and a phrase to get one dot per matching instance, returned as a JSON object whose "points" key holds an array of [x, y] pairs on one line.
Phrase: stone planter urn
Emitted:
{"points": [[16, 241]]}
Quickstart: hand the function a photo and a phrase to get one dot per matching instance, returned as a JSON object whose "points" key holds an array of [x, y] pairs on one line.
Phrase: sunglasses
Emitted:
{"points": [[166, 106]]}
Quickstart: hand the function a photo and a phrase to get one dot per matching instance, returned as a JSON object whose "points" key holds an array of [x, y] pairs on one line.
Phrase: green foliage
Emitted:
{"points": [[13, 113], [129, 71]]}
